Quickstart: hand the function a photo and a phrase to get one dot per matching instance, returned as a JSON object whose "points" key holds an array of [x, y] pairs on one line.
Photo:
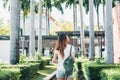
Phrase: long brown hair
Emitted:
{"points": [[61, 44]]}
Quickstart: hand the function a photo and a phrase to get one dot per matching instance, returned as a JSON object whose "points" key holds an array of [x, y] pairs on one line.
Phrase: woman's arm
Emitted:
{"points": [[55, 56], [73, 52]]}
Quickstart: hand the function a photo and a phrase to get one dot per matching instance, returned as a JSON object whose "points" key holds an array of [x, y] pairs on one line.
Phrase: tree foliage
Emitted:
{"points": [[96, 4], [58, 4], [25, 7], [86, 5], [61, 26], [4, 30]]}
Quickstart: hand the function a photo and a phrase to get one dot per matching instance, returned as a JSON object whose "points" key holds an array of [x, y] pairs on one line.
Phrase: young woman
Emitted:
{"points": [[61, 52]]}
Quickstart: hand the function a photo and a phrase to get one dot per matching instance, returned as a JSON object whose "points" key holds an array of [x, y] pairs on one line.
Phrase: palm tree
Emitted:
{"points": [[25, 7], [86, 5], [58, 4], [75, 15], [48, 7], [14, 31], [91, 27], [108, 33], [97, 4], [81, 28], [40, 28], [74, 18], [32, 30]]}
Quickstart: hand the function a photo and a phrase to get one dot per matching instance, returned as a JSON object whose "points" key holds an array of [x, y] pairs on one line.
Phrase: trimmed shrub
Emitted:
{"points": [[7, 74], [26, 71], [110, 74], [92, 69], [46, 60]]}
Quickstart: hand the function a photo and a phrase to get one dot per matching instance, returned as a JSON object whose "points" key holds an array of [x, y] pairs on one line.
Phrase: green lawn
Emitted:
{"points": [[44, 73]]}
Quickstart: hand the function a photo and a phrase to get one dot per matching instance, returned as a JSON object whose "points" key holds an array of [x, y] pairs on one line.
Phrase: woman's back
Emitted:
{"points": [[60, 59]]}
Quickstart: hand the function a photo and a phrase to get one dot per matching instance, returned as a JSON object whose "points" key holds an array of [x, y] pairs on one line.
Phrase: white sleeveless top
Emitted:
{"points": [[66, 54]]}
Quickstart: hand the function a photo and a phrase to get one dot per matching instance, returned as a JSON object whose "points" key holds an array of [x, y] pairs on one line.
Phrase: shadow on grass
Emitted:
{"points": [[37, 76], [41, 74]]}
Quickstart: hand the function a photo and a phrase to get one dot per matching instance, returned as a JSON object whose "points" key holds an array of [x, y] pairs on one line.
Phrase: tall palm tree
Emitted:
{"points": [[32, 30], [86, 5], [75, 15], [91, 32], [25, 7], [40, 28], [108, 33], [74, 18], [58, 4], [97, 4], [81, 27], [14, 30], [48, 7]]}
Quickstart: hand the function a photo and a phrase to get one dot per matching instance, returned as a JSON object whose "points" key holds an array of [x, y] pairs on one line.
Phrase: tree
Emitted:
{"points": [[14, 31], [32, 30], [25, 7], [48, 7], [97, 4], [108, 33], [91, 32], [75, 15], [81, 28], [86, 5], [5, 30], [61, 26], [40, 28]]}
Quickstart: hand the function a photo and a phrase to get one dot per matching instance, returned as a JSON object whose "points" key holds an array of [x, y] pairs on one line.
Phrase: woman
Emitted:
{"points": [[116, 31], [61, 52]]}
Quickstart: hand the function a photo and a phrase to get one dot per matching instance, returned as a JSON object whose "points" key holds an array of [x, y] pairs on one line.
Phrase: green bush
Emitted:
{"points": [[79, 65], [6, 74], [92, 69], [46, 60], [26, 71], [42, 65], [110, 74], [79, 74]]}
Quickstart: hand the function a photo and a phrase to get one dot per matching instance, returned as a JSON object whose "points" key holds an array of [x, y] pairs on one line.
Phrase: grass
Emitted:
{"points": [[44, 73]]}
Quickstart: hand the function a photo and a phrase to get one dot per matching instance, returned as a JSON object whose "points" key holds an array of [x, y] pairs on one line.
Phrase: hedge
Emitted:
{"points": [[25, 71], [92, 69], [9, 74], [110, 74]]}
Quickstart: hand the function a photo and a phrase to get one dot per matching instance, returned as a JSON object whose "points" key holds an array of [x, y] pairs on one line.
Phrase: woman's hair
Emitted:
{"points": [[61, 44]]}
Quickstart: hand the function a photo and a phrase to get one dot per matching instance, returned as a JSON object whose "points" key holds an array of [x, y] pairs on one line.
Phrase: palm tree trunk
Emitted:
{"points": [[47, 23], [74, 19], [108, 33], [103, 16], [99, 55], [75, 16], [14, 30], [23, 38], [91, 32], [40, 28], [32, 30], [81, 29]]}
